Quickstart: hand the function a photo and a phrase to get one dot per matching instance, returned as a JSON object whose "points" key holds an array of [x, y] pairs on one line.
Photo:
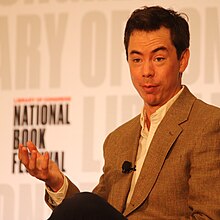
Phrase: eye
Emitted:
{"points": [[159, 59], [136, 60]]}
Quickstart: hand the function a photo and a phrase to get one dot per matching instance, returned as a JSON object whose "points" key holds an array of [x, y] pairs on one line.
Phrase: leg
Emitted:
{"points": [[85, 206]]}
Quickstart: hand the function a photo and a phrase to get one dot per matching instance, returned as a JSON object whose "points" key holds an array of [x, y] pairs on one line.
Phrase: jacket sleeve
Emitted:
{"points": [[204, 180], [71, 190]]}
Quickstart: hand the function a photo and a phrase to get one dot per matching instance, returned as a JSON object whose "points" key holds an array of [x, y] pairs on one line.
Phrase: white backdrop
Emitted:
{"points": [[65, 83]]}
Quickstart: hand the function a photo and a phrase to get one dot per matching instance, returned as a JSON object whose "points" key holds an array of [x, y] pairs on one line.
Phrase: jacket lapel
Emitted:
{"points": [[165, 136], [122, 184]]}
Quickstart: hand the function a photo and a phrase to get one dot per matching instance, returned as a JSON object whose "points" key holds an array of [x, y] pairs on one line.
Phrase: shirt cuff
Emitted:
{"points": [[55, 198]]}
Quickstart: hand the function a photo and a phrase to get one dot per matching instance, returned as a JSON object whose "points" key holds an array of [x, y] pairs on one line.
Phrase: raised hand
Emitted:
{"points": [[40, 166]]}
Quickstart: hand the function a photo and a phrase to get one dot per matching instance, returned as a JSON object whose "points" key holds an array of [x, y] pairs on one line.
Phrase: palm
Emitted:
{"points": [[40, 166]]}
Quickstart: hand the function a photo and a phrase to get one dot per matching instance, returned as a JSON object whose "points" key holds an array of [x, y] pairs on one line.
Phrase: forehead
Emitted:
{"points": [[143, 40]]}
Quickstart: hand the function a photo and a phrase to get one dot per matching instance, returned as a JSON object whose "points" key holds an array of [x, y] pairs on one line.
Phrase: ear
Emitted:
{"points": [[184, 59]]}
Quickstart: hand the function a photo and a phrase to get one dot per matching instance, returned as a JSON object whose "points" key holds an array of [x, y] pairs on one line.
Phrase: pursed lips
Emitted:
{"points": [[149, 88]]}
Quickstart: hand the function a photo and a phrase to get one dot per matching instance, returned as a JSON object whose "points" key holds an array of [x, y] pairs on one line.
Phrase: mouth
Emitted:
{"points": [[149, 88]]}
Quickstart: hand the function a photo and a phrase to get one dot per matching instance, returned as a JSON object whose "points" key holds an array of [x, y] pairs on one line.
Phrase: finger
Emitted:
{"points": [[32, 161], [45, 161], [24, 155], [20, 151], [31, 146]]}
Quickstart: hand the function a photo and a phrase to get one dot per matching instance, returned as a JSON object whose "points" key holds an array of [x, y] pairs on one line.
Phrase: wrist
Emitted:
{"points": [[55, 184]]}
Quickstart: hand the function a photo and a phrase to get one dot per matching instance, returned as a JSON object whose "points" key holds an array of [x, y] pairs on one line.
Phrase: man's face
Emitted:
{"points": [[155, 69]]}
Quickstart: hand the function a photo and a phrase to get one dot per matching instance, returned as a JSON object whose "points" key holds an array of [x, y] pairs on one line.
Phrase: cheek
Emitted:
{"points": [[170, 77], [134, 75], [168, 82], [135, 71], [136, 79]]}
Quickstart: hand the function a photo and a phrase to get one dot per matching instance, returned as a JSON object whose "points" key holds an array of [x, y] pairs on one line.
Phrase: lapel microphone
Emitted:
{"points": [[127, 167]]}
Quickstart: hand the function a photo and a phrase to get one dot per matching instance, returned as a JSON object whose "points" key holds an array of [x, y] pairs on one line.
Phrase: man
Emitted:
{"points": [[174, 143]]}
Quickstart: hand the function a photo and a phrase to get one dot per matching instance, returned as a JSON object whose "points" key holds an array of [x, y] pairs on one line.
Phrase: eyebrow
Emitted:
{"points": [[135, 52], [153, 51], [159, 48]]}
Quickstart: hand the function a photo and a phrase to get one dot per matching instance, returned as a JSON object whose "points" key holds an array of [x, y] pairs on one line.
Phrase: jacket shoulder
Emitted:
{"points": [[129, 125], [206, 110]]}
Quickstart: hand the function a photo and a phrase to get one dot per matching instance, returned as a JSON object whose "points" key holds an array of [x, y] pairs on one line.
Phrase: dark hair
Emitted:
{"points": [[152, 18]]}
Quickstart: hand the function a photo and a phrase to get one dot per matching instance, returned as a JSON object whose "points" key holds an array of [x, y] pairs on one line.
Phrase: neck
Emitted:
{"points": [[149, 110]]}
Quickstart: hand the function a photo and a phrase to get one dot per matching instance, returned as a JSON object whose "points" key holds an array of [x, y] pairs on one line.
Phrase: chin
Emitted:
{"points": [[152, 103], [151, 100]]}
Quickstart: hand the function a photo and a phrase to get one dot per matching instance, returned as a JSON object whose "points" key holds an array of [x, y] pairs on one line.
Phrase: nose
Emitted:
{"points": [[148, 70]]}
